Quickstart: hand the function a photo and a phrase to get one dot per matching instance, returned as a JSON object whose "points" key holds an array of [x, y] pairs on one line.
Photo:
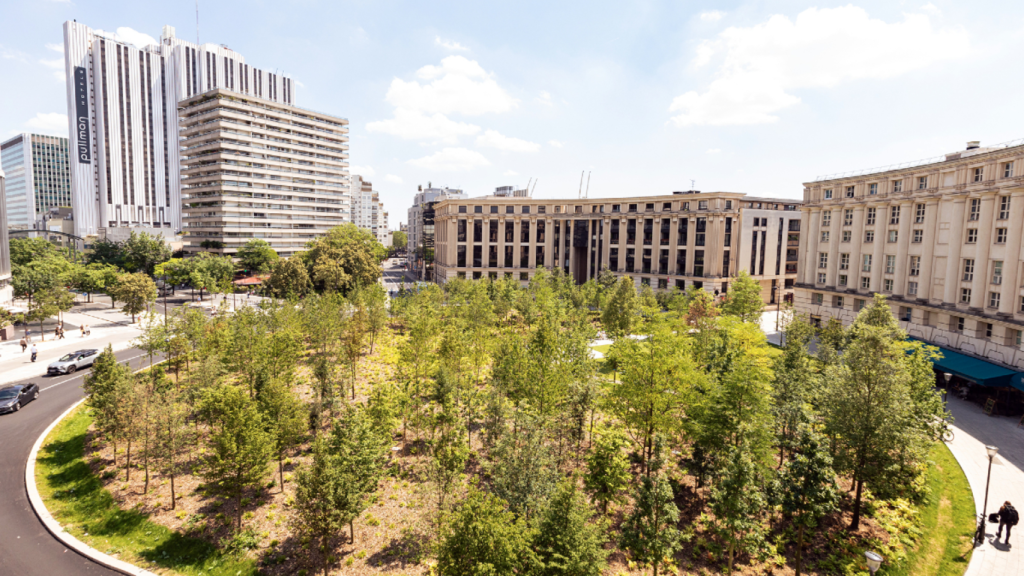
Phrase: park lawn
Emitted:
{"points": [[947, 521], [76, 498], [603, 348]]}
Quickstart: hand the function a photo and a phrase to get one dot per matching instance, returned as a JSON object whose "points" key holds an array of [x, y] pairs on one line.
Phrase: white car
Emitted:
{"points": [[68, 363]]}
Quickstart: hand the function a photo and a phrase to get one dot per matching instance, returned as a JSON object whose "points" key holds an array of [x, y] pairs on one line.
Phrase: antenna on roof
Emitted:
{"points": [[197, 21], [693, 184], [588, 185]]}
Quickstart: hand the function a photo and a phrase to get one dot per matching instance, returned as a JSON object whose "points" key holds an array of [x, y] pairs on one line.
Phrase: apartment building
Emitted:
{"points": [[367, 209], [420, 232], [122, 105], [668, 241], [6, 290], [940, 238], [255, 168], [38, 178]]}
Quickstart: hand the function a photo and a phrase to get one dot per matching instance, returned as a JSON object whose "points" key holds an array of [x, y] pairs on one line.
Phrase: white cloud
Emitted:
{"points": [[493, 139], [545, 98], [556, 144], [712, 16], [510, 173], [449, 44], [393, 179], [714, 151], [57, 65], [359, 37], [11, 54], [457, 85], [762, 65], [129, 35], [451, 160], [56, 47], [364, 171], [415, 125], [929, 7], [49, 123], [299, 84]]}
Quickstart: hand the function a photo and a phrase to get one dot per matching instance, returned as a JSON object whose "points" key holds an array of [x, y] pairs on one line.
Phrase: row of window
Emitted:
{"points": [[594, 209], [916, 238], [896, 186], [915, 266], [613, 232], [973, 215]]}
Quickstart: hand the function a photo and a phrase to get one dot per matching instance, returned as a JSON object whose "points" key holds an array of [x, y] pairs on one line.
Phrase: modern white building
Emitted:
{"points": [[122, 118], [421, 227], [368, 211], [37, 177], [6, 290]]}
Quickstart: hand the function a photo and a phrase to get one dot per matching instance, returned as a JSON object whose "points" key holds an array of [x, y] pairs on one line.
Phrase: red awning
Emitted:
{"points": [[250, 281]]}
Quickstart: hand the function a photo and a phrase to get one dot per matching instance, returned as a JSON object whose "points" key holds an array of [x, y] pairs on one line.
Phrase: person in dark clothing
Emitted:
{"points": [[1007, 517]]}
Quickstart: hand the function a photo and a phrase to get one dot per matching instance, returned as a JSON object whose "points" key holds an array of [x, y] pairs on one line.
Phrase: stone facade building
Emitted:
{"points": [[941, 239], [678, 240]]}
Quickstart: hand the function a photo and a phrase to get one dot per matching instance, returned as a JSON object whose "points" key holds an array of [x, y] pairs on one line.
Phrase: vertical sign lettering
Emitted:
{"points": [[82, 116]]}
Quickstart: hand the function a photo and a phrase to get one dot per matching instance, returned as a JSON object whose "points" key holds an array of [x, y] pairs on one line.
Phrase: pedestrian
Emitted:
{"points": [[1007, 517], [83, 330], [24, 344], [87, 330], [34, 352]]}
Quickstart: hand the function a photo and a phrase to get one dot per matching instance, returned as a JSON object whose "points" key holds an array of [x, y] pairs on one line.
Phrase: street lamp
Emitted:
{"points": [[874, 561], [979, 536], [946, 376]]}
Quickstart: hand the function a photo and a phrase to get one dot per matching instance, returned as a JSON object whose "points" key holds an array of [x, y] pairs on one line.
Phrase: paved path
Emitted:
{"points": [[974, 430]]}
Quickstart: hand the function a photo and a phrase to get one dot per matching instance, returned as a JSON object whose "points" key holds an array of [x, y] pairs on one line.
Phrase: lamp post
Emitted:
{"points": [[874, 561], [946, 377], [979, 536]]}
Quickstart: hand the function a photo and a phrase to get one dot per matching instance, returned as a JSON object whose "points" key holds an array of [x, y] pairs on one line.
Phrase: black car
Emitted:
{"points": [[14, 397]]}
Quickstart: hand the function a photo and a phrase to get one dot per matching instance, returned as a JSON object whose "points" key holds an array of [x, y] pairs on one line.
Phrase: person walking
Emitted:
{"points": [[24, 344], [34, 351], [1008, 517], [83, 330]]}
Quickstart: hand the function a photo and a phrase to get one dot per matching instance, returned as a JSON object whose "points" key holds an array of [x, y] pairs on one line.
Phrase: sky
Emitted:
{"points": [[641, 98]]}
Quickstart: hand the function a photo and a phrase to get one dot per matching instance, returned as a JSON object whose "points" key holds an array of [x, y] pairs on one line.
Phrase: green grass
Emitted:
{"points": [[77, 499], [947, 521], [603, 349]]}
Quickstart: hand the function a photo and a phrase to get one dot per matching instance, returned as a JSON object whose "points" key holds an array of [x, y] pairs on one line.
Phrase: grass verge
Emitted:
{"points": [[603, 348], [947, 521], [76, 498]]}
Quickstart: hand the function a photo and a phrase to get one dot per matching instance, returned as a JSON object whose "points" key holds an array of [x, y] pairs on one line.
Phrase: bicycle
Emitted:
{"points": [[944, 432]]}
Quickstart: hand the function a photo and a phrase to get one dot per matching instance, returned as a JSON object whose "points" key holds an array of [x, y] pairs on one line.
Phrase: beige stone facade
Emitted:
{"points": [[941, 239], [678, 240], [253, 168]]}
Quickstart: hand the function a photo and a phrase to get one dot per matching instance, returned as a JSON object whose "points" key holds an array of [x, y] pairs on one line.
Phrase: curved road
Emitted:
{"points": [[26, 548]]}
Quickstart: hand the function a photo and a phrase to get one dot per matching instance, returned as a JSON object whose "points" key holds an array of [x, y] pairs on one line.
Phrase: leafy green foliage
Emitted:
{"points": [[566, 543], [649, 533], [608, 468], [744, 298], [257, 256], [484, 539], [136, 291]]}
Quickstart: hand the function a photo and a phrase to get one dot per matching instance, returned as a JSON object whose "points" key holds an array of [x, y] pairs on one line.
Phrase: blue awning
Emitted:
{"points": [[980, 371]]}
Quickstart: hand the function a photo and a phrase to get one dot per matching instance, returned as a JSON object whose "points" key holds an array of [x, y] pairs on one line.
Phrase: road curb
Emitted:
{"points": [[54, 527]]}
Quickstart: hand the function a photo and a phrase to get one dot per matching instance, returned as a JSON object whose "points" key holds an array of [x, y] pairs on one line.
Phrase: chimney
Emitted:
{"points": [[973, 144]]}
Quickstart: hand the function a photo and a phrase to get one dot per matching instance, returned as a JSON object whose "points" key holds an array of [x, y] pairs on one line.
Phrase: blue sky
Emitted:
{"points": [[754, 97]]}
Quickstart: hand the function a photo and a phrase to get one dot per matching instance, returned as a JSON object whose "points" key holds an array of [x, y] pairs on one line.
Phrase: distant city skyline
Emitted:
{"points": [[738, 96]]}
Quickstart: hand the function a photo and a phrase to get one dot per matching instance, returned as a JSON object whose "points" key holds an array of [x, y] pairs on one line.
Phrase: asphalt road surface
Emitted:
{"points": [[26, 548], [394, 276]]}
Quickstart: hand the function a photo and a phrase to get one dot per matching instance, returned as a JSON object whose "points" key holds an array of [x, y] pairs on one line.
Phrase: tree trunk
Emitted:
{"points": [[352, 531], [855, 523], [238, 501], [174, 501], [280, 469], [128, 463], [799, 549]]}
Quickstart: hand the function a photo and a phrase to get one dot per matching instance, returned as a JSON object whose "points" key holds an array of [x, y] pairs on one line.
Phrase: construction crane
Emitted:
{"points": [[587, 191]]}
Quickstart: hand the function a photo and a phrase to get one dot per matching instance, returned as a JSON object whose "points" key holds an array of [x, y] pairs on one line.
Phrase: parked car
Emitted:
{"points": [[14, 397], [68, 363]]}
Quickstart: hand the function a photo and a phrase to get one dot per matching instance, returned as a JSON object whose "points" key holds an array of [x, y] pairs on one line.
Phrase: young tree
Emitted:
{"points": [[345, 258], [142, 252], [483, 538], [285, 416], [94, 278], [322, 501], [649, 533], [105, 389], [173, 435], [240, 447], [399, 239], [797, 385], [289, 279], [566, 543], [737, 501], [621, 311], [523, 471], [373, 300], [360, 452], [608, 468], [137, 291], [807, 486], [27, 250], [744, 299], [257, 256]]}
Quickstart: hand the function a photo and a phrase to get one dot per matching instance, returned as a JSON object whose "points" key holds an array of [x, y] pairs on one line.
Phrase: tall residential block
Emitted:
{"points": [[669, 241], [37, 177], [122, 106], [254, 168], [421, 227], [367, 209], [941, 239]]}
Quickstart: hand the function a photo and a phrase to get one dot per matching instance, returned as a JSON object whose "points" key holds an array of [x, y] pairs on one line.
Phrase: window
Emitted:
{"points": [[838, 302], [865, 282], [524, 276], [897, 186], [728, 204], [869, 236], [1004, 207], [686, 205], [462, 209], [828, 194], [824, 236], [1008, 173], [510, 209], [988, 330], [918, 236], [890, 264], [979, 174], [842, 279], [922, 182], [460, 231], [872, 189], [649, 207], [965, 295], [919, 214], [993, 299], [997, 272], [959, 323], [844, 261], [1021, 304], [847, 217], [525, 210], [887, 285], [821, 278], [847, 235], [968, 270], [849, 191], [494, 209], [894, 215], [866, 263], [975, 209], [892, 236], [871, 216], [478, 209], [823, 260], [826, 218], [1000, 235], [667, 207], [858, 304], [915, 265], [972, 235], [702, 205], [912, 288], [1017, 337]]}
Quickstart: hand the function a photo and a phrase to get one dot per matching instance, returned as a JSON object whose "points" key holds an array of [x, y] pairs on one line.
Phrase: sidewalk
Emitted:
{"points": [[973, 430]]}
